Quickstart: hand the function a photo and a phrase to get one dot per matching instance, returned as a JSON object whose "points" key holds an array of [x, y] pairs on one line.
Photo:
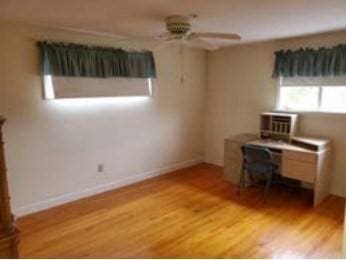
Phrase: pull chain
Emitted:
{"points": [[181, 63]]}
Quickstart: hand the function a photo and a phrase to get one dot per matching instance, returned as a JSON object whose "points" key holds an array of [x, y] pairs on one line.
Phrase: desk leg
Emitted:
{"points": [[323, 175]]}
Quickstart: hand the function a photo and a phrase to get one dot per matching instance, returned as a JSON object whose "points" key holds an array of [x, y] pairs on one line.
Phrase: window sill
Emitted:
{"points": [[307, 112]]}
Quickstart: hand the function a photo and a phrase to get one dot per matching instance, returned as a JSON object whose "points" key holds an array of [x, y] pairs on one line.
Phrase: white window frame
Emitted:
{"points": [[317, 111]]}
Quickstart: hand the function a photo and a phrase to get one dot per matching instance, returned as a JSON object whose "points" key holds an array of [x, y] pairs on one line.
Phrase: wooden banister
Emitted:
{"points": [[9, 234]]}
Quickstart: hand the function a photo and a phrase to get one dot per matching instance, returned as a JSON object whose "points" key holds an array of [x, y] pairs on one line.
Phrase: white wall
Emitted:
{"points": [[53, 147], [240, 87]]}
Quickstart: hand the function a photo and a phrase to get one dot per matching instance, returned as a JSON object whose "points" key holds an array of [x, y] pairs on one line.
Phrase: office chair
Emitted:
{"points": [[257, 160]]}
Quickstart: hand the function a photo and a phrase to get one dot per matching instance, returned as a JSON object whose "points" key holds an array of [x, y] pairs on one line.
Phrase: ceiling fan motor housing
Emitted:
{"points": [[178, 24]]}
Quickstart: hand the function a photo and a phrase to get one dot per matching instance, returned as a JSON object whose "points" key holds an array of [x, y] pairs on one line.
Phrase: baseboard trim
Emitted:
{"points": [[215, 162], [62, 199]]}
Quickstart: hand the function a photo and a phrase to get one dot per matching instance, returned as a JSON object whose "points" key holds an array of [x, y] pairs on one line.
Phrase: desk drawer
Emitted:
{"points": [[303, 171], [300, 156]]}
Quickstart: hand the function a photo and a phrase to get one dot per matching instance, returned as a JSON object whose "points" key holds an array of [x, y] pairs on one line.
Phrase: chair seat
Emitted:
{"points": [[260, 167]]}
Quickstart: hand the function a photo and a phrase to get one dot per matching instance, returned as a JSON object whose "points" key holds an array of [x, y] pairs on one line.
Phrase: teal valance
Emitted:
{"points": [[322, 62], [73, 60]]}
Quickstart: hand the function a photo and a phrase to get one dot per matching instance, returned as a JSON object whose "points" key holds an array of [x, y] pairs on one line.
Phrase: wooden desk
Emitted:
{"points": [[310, 165], [233, 157]]}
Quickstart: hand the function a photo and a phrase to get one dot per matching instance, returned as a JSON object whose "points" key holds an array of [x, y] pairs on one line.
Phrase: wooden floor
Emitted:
{"points": [[188, 213]]}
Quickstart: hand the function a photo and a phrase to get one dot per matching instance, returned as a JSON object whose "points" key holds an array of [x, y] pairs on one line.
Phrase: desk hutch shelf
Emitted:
{"points": [[278, 126]]}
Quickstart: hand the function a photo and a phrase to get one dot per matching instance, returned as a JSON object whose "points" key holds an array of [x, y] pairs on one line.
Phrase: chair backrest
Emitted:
{"points": [[252, 153]]}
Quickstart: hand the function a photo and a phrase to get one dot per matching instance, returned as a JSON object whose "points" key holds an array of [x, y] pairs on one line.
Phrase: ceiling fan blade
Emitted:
{"points": [[162, 43], [199, 43], [225, 36], [160, 37], [164, 36], [137, 39]]}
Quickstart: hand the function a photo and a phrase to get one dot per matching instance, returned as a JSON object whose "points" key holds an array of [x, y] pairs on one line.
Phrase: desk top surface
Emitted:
{"points": [[312, 140], [280, 145]]}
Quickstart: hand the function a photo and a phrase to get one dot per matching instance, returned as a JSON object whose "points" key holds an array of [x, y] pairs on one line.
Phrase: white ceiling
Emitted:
{"points": [[254, 20]]}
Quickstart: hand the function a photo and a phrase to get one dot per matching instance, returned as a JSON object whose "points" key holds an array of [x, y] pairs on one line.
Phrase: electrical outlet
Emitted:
{"points": [[100, 167]]}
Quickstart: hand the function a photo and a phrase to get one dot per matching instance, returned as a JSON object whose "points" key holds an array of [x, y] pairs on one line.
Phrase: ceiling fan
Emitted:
{"points": [[179, 29]]}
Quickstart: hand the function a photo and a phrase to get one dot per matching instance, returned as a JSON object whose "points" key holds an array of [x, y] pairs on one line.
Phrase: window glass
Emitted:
{"points": [[321, 94], [85, 87], [333, 99], [299, 98]]}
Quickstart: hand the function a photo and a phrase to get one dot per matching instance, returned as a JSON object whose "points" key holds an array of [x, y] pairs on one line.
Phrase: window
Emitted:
{"points": [[84, 87], [312, 94], [80, 71]]}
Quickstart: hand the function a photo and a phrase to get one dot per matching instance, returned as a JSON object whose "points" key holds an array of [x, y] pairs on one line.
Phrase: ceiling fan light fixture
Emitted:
{"points": [[178, 24]]}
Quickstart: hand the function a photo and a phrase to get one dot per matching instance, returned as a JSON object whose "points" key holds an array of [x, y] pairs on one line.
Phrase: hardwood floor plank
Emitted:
{"points": [[188, 213]]}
